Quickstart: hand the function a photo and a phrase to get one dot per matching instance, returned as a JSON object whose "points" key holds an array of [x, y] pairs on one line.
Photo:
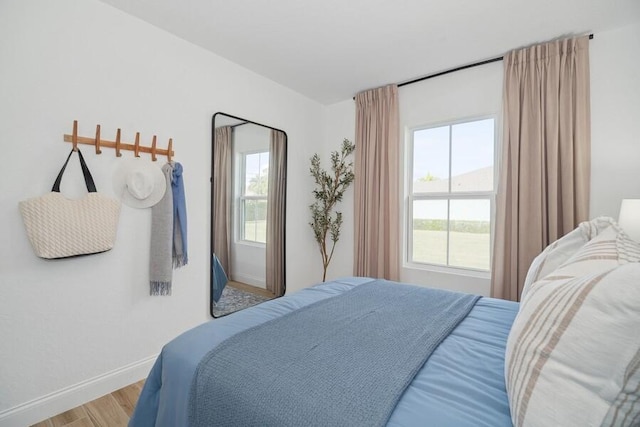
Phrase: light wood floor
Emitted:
{"points": [[111, 410], [252, 289]]}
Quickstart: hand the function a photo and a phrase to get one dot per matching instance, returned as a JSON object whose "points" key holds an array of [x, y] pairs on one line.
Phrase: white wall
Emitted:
{"points": [[615, 119], [615, 109], [71, 330]]}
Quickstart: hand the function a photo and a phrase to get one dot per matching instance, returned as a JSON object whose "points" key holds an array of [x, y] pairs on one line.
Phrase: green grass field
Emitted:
{"points": [[470, 250]]}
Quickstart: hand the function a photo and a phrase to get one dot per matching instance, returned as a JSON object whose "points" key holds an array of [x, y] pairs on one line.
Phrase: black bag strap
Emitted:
{"points": [[88, 179]]}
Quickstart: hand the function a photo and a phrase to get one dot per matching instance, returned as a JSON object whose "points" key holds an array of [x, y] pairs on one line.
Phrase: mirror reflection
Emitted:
{"points": [[248, 199]]}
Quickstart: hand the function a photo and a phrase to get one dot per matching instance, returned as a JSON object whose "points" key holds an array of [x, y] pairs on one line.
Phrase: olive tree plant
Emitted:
{"points": [[329, 190]]}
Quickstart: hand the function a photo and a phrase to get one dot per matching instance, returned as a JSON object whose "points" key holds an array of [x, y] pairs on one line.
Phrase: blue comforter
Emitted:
{"points": [[462, 383], [342, 361]]}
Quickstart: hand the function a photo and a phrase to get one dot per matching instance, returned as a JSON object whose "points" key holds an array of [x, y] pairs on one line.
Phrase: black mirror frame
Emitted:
{"points": [[211, 207]]}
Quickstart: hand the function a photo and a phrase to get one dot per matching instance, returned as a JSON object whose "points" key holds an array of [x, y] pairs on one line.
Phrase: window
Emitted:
{"points": [[451, 194], [253, 197]]}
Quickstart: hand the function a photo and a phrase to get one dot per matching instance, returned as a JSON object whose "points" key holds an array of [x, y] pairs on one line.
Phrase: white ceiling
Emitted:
{"points": [[329, 50]]}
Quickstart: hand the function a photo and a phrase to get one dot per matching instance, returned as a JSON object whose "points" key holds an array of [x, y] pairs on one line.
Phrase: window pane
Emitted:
{"points": [[470, 234], [431, 160], [430, 231], [256, 174], [255, 220], [472, 156]]}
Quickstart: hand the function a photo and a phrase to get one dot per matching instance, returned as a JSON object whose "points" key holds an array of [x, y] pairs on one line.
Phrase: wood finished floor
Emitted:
{"points": [[111, 410], [252, 289]]}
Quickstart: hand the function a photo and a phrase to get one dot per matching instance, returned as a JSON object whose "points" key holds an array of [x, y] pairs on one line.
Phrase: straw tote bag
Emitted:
{"points": [[58, 227]]}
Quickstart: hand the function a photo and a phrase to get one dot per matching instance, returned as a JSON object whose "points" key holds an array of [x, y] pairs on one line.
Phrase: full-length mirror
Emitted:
{"points": [[248, 200]]}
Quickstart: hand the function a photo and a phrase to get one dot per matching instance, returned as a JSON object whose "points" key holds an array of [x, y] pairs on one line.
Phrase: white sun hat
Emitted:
{"points": [[139, 183]]}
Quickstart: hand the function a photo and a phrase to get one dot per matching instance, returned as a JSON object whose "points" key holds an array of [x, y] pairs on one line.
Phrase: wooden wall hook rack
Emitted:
{"points": [[99, 143]]}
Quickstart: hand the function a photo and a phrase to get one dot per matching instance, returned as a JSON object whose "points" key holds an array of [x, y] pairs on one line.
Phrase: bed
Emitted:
{"points": [[461, 385], [553, 359]]}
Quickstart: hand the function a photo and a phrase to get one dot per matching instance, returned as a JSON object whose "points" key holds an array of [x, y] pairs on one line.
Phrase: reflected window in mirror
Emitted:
{"points": [[253, 197], [248, 200]]}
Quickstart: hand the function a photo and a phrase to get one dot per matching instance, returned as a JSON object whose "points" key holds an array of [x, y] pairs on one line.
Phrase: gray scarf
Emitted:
{"points": [[160, 263]]}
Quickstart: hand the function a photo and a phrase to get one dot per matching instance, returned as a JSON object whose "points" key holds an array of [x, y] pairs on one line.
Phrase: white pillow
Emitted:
{"points": [[573, 353], [558, 252], [610, 248]]}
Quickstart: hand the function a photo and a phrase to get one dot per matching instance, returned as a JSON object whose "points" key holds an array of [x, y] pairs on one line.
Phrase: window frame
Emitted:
{"points": [[243, 198], [411, 197]]}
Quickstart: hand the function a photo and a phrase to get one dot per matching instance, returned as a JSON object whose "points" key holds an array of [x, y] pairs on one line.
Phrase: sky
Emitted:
{"points": [[472, 148]]}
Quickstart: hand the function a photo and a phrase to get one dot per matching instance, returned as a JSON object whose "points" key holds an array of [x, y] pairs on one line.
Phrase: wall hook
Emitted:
{"points": [[153, 149], [136, 145], [118, 153], [118, 144], [98, 150], [75, 135]]}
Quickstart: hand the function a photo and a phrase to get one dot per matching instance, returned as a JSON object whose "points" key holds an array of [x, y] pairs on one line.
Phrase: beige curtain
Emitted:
{"points": [[376, 185], [222, 196], [276, 212], [543, 190]]}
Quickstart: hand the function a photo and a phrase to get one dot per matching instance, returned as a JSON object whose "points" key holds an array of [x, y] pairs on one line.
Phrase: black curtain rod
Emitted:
{"points": [[442, 73], [464, 67]]}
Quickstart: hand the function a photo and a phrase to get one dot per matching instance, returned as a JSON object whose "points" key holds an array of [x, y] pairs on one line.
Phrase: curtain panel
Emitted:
{"points": [[543, 190], [222, 196], [276, 213], [376, 185]]}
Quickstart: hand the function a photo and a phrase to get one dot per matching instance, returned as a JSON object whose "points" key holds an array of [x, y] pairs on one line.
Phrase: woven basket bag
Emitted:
{"points": [[58, 227]]}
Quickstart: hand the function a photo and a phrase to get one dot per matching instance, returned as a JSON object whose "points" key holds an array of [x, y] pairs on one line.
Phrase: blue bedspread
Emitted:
{"points": [[343, 361], [462, 383]]}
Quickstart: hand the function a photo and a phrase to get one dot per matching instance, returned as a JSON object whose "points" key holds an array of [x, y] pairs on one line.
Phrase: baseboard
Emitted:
{"points": [[67, 398], [258, 282]]}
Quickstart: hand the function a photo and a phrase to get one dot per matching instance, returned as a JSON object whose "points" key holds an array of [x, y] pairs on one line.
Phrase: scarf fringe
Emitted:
{"points": [[160, 288], [180, 261]]}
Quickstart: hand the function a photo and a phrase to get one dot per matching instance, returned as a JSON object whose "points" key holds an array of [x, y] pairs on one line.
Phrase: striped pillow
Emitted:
{"points": [[573, 353], [558, 252], [610, 248]]}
